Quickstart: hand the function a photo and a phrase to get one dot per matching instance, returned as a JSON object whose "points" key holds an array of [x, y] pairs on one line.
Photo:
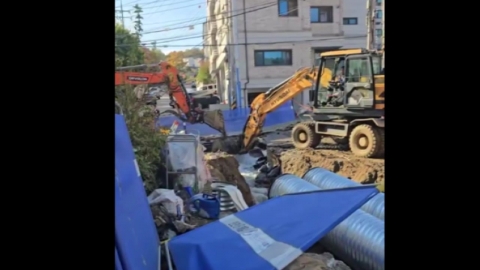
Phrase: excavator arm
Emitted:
{"points": [[184, 108], [267, 102]]}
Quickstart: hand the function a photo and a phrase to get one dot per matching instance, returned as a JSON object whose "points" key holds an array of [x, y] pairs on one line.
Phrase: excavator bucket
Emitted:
{"points": [[214, 119]]}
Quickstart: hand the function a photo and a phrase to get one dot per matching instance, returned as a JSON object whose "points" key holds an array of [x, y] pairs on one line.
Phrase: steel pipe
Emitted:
{"points": [[359, 240], [325, 179]]}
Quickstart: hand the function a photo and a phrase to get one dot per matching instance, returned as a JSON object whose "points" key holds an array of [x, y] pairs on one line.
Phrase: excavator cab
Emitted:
{"points": [[354, 81]]}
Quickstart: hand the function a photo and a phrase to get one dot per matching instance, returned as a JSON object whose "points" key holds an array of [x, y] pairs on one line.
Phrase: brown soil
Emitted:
{"points": [[224, 167], [361, 170]]}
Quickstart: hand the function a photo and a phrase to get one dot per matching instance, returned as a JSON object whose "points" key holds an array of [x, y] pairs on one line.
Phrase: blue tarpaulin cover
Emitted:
{"points": [[235, 120], [118, 264], [136, 238], [269, 235]]}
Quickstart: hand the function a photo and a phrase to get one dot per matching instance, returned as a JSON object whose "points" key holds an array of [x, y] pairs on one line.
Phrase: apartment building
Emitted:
{"points": [[378, 24], [253, 45]]}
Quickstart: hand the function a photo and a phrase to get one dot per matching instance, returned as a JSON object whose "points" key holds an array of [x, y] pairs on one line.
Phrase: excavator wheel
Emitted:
{"points": [[381, 142], [303, 136], [366, 141]]}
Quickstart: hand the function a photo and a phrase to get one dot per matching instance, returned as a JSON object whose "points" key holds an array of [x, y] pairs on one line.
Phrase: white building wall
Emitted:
{"points": [[297, 34]]}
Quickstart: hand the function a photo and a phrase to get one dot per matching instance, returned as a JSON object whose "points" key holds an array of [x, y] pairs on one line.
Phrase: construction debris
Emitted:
{"points": [[313, 261], [224, 168]]}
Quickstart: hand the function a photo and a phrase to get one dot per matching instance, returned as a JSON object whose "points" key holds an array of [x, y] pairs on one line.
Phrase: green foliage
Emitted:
{"points": [[153, 56], [193, 52], [203, 74], [127, 48], [147, 141], [138, 20]]}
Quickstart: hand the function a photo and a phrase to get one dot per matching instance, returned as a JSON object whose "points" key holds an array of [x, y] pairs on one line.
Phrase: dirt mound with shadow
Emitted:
{"points": [[360, 170], [224, 167]]}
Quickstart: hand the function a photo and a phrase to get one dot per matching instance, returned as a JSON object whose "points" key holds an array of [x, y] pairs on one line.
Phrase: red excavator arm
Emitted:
{"points": [[136, 78], [178, 95]]}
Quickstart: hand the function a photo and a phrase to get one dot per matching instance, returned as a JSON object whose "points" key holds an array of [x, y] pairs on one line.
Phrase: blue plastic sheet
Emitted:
{"points": [[267, 236], [135, 233], [235, 120], [118, 264]]}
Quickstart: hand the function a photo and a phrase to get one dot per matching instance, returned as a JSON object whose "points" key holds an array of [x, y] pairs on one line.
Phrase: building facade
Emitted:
{"points": [[256, 44]]}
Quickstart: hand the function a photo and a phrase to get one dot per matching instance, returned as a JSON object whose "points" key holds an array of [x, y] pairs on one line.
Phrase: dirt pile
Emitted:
{"points": [[313, 261], [361, 170], [224, 167]]}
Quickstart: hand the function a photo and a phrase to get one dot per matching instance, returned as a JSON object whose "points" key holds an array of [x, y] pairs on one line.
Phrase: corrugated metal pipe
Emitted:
{"points": [[325, 179], [359, 240]]}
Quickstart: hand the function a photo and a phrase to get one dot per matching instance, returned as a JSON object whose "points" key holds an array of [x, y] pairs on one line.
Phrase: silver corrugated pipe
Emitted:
{"points": [[359, 240], [325, 179], [289, 183]]}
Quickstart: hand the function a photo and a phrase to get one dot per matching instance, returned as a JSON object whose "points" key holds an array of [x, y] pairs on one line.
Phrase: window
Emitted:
{"points": [[273, 58], [350, 21], [358, 68], [379, 2], [377, 64], [378, 14], [288, 8], [378, 32], [321, 14]]}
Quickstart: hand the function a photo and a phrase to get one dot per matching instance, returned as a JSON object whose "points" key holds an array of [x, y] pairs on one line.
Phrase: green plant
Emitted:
{"points": [[147, 141]]}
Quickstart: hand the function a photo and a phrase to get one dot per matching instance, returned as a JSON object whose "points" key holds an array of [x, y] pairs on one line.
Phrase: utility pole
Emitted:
{"points": [[370, 24], [121, 13], [383, 32]]}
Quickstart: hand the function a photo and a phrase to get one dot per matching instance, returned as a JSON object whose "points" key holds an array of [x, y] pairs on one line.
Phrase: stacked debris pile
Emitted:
{"points": [[224, 168]]}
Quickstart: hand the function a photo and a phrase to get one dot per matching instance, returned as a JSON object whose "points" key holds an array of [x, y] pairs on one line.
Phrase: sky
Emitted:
{"points": [[162, 15]]}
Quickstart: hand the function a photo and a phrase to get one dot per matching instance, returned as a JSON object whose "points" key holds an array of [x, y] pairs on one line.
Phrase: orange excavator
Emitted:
{"points": [[179, 99]]}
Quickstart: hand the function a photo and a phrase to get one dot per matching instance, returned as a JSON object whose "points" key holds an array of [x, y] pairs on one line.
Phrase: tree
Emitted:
{"points": [[146, 140], [138, 20], [203, 75], [153, 56], [193, 52], [175, 59], [127, 48]]}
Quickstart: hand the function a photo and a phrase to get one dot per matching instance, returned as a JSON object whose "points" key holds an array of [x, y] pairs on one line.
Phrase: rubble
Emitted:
{"points": [[224, 167], [314, 261]]}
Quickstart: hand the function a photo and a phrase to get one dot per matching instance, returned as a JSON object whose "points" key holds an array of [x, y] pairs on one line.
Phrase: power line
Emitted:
{"points": [[247, 10], [254, 43], [163, 10], [185, 38], [178, 21], [169, 4], [238, 14]]}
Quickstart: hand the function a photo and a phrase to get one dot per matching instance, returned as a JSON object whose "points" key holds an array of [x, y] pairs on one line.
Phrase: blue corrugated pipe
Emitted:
{"points": [[325, 179], [359, 240]]}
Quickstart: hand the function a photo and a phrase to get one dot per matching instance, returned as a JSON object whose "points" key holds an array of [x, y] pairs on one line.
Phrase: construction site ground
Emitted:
{"points": [[280, 149], [297, 162], [344, 163]]}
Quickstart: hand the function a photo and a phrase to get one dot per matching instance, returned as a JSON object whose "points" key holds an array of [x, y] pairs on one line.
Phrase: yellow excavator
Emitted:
{"points": [[348, 105]]}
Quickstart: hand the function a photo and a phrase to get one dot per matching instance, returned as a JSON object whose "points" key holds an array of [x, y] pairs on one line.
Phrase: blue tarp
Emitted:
{"points": [[235, 120], [269, 235], [118, 264], [136, 237]]}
